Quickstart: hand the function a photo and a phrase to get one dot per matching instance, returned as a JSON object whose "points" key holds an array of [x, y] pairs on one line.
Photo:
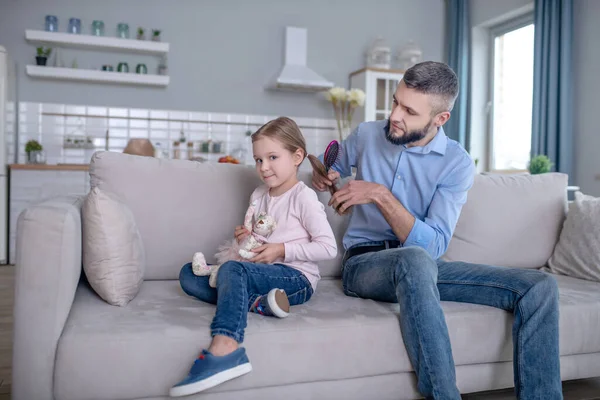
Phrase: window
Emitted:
{"points": [[511, 94]]}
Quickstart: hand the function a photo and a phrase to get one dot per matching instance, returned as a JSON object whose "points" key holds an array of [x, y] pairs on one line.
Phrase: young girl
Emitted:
{"points": [[284, 271]]}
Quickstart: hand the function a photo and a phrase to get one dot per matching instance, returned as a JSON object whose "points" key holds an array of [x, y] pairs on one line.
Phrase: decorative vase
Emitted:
{"points": [[123, 31], [343, 131], [36, 157]]}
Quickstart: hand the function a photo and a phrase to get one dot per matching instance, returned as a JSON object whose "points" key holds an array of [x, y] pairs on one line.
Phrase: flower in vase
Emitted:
{"points": [[344, 103], [336, 94], [356, 97]]}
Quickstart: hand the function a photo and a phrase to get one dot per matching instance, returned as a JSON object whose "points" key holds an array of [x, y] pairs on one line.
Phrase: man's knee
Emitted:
{"points": [[415, 264], [543, 285]]}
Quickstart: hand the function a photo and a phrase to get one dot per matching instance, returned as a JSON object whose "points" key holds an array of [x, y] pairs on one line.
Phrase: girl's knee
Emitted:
{"points": [[231, 267]]}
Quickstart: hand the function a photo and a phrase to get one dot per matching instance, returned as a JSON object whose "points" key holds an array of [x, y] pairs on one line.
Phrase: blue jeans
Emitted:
{"points": [[238, 286], [412, 278]]}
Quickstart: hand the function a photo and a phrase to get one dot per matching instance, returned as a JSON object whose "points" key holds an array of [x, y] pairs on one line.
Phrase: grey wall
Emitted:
{"points": [[586, 63], [223, 53]]}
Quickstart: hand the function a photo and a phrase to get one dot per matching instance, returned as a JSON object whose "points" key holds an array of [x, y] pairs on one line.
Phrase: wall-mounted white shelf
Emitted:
{"points": [[90, 75], [97, 42]]}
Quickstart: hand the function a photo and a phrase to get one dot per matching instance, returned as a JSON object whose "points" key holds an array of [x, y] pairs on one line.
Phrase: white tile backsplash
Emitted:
{"points": [[198, 116], [138, 113], [159, 114], [117, 123], [159, 134], [53, 108], [139, 123], [99, 111], [117, 132], [138, 133], [179, 115], [160, 126], [80, 120], [76, 110], [118, 112]]}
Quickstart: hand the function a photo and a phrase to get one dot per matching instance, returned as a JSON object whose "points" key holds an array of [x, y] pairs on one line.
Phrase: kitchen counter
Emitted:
{"points": [[50, 167]]}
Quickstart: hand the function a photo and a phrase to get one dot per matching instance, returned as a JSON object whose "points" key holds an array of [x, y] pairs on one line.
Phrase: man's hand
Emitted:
{"points": [[241, 233], [355, 192], [267, 253], [322, 184]]}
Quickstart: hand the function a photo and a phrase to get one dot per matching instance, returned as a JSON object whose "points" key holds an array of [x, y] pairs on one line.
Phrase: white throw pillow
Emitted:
{"points": [[113, 252], [577, 253]]}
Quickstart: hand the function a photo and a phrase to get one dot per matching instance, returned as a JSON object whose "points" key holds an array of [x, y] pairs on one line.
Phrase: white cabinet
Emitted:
{"points": [[29, 186], [379, 86]]}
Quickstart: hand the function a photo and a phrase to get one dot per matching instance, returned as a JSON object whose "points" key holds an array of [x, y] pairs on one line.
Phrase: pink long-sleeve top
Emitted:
{"points": [[302, 227]]}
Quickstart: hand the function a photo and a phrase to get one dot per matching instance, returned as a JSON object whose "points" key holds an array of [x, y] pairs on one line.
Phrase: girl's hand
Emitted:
{"points": [[269, 252], [241, 233]]}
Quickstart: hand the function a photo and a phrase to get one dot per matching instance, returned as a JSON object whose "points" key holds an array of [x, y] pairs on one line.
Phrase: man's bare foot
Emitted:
{"points": [[222, 345]]}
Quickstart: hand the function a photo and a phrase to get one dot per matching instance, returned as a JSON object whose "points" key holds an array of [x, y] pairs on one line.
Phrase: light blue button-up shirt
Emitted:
{"points": [[431, 182]]}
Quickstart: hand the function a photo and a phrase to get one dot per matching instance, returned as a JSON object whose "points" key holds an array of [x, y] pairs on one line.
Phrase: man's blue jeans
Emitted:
{"points": [[412, 278]]}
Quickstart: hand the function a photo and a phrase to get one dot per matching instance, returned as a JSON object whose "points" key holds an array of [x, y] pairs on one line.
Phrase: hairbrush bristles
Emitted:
{"points": [[331, 155]]}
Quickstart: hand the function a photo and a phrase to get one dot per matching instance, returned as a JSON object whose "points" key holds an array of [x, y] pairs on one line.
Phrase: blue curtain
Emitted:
{"points": [[552, 125], [458, 34]]}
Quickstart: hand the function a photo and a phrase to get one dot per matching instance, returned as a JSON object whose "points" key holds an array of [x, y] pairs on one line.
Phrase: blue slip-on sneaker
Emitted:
{"points": [[209, 370]]}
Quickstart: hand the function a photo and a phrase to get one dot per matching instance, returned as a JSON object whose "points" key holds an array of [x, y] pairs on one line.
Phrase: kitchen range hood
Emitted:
{"points": [[295, 75]]}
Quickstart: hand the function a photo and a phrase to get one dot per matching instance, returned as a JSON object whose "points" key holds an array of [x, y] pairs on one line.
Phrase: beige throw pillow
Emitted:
{"points": [[113, 252], [577, 252]]}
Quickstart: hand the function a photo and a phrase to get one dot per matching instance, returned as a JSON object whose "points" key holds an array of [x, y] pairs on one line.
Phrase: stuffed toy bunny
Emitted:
{"points": [[232, 251]]}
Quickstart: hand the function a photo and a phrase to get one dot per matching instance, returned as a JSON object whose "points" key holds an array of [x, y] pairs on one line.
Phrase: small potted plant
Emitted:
{"points": [[34, 151], [539, 164], [140, 34], [156, 35], [42, 55]]}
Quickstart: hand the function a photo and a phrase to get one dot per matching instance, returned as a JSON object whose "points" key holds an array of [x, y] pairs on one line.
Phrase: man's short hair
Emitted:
{"points": [[434, 78]]}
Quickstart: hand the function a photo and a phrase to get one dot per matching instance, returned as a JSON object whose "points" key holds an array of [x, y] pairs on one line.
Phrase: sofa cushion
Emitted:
{"points": [[139, 351], [510, 220], [113, 252], [577, 252], [182, 207]]}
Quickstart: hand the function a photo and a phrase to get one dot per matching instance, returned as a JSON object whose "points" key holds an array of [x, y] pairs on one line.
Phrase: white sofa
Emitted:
{"points": [[71, 345]]}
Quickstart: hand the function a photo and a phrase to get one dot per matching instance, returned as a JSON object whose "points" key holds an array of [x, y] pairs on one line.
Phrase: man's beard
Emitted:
{"points": [[408, 137]]}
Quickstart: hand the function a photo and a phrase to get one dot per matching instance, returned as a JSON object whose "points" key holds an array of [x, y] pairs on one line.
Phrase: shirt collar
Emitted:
{"points": [[438, 144]]}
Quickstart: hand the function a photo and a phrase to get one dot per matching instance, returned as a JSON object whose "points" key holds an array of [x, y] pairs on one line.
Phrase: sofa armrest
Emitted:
{"points": [[48, 268]]}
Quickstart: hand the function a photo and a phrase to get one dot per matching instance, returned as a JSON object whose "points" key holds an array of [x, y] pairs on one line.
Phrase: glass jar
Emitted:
{"points": [[190, 150], [176, 151], [98, 28], [74, 26], [51, 23], [205, 146], [123, 31], [141, 69], [379, 54]]}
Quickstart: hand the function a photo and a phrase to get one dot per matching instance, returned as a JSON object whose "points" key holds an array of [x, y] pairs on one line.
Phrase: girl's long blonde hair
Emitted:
{"points": [[286, 131]]}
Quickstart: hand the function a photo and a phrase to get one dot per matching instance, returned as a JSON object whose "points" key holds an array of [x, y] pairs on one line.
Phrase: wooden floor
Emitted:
{"points": [[588, 389]]}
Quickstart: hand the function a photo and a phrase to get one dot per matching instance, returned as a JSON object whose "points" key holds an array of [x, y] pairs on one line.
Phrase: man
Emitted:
{"points": [[411, 183]]}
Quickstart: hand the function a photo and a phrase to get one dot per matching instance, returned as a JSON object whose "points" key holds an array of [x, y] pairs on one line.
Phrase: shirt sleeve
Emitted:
{"points": [[322, 245], [435, 231], [347, 158]]}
